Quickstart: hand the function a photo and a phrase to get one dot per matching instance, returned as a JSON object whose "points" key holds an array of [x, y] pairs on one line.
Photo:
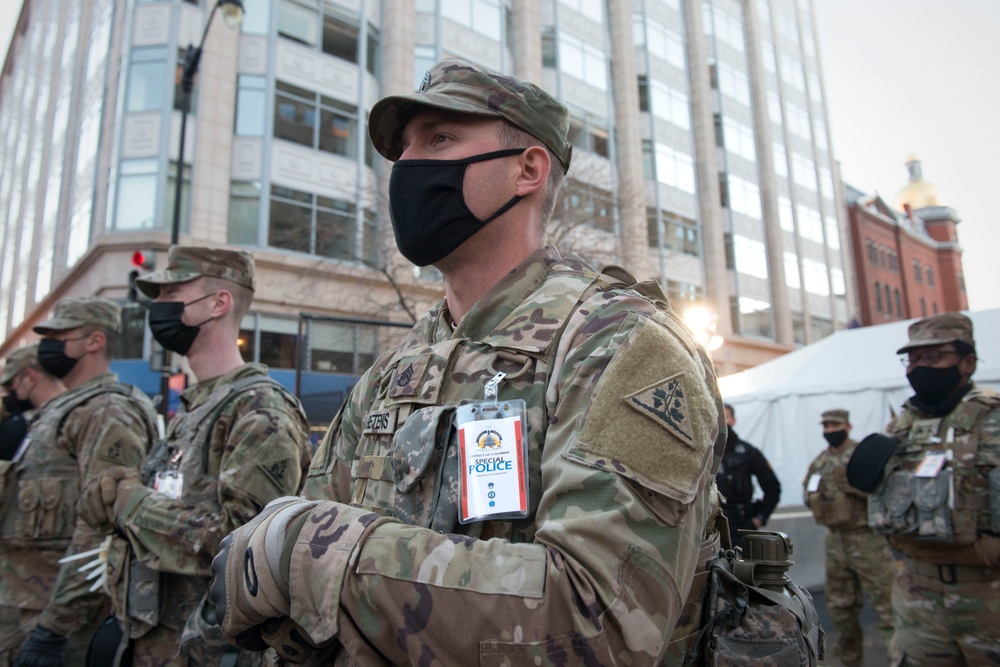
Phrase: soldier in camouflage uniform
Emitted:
{"points": [[856, 558], [238, 441], [939, 501], [96, 424], [16, 412], [602, 497]]}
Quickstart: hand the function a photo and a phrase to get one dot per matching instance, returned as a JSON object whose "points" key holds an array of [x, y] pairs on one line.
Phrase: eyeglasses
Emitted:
{"points": [[927, 358]]}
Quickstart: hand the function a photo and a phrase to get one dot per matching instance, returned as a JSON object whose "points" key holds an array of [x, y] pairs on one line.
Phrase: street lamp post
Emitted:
{"points": [[232, 14]]}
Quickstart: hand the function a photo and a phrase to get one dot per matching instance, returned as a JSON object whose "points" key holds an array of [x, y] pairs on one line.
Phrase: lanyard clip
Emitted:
{"points": [[491, 387]]}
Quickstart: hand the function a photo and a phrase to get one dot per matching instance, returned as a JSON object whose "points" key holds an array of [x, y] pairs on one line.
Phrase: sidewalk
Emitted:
{"points": [[875, 651]]}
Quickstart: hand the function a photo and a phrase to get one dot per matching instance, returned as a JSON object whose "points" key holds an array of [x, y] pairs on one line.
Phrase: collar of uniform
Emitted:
{"points": [[107, 377], [494, 306], [193, 396]]}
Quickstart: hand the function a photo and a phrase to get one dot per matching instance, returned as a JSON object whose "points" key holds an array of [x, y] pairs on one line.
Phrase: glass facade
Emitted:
{"points": [[277, 157]]}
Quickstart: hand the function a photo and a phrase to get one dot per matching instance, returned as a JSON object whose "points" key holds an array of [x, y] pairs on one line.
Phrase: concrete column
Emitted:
{"points": [[707, 168], [631, 185], [768, 183], [398, 44], [527, 41], [212, 126]]}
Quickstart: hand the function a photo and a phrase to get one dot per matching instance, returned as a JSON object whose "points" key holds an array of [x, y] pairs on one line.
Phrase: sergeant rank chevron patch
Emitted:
{"points": [[663, 402]]}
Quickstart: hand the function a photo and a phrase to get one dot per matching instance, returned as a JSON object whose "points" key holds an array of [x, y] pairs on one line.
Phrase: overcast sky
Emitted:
{"points": [[903, 77]]}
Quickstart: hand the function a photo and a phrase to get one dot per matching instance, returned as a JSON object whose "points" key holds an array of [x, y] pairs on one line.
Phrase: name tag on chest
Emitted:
{"points": [[380, 423]]}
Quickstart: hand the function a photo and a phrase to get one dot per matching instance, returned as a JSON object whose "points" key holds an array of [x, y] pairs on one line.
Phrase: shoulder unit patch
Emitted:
{"points": [[664, 403]]}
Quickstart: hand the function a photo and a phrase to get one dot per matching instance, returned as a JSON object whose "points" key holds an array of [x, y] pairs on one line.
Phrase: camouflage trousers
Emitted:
{"points": [[942, 624], [858, 563]]}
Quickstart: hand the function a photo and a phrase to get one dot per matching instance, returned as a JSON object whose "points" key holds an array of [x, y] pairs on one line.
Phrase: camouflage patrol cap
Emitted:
{"points": [[456, 85], [75, 312], [835, 417], [185, 263], [19, 360], [940, 329]]}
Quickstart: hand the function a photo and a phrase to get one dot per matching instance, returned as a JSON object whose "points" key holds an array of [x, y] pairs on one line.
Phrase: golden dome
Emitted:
{"points": [[918, 193]]}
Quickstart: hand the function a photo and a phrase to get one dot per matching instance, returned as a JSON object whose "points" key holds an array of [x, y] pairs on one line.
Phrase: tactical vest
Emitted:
{"points": [[395, 473], [831, 503], [42, 488], [160, 597], [940, 518]]}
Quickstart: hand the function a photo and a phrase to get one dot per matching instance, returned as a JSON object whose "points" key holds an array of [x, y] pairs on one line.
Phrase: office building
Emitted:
{"points": [[702, 153]]}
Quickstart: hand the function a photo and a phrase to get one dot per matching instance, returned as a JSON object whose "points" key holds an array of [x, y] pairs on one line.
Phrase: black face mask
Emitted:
{"points": [[836, 438], [167, 327], [14, 405], [427, 203], [934, 385], [52, 357]]}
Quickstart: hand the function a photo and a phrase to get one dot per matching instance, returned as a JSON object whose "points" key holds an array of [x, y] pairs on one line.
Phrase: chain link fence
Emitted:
{"points": [[333, 353]]}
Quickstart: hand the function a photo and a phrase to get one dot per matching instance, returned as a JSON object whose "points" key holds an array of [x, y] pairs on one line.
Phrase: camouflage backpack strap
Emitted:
{"points": [[233, 391]]}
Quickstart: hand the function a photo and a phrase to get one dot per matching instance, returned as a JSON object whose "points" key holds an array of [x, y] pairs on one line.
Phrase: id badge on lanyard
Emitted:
{"points": [[493, 457]]}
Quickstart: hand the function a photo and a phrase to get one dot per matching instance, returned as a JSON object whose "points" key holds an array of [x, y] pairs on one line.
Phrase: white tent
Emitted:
{"points": [[778, 404]]}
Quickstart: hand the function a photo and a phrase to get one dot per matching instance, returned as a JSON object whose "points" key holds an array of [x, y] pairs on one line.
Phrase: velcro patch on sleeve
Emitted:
{"points": [[652, 417]]}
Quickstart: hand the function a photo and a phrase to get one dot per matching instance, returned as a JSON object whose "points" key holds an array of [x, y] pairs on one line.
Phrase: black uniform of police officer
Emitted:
{"points": [[741, 462]]}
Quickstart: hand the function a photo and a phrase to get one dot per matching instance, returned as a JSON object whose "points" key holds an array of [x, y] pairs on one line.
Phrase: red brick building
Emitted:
{"points": [[907, 258]]}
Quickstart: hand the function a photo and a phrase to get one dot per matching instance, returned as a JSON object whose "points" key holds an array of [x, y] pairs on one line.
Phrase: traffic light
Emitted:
{"points": [[143, 261]]}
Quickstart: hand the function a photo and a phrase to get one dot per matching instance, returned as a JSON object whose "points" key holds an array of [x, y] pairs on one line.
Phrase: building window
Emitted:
{"points": [[332, 29], [316, 121], [659, 41], [878, 296], [893, 262], [147, 79], [583, 61], [817, 280], [738, 139], [244, 212], [803, 171], [732, 82], [923, 307], [269, 340], [888, 303], [727, 28], [821, 327], [665, 102], [678, 233], [589, 134], [672, 167], [918, 271], [309, 223], [899, 303], [780, 158], [810, 224], [832, 233], [872, 253], [750, 256], [961, 281], [680, 291], [251, 103], [137, 190], [797, 120], [934, 307], [792, 270], [752, 317], [586, 205], [838, 282], [930, 278], [743, 196], [786, 217], [792, 73]]}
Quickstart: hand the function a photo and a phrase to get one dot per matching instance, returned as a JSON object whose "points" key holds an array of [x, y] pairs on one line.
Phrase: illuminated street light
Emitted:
{"points": [[703, 322]]}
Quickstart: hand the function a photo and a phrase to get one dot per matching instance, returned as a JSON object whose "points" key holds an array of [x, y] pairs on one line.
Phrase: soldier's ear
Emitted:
{"points": [[222, 303]]}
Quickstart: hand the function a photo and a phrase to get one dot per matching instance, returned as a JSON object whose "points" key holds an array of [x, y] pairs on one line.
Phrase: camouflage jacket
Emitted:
{"points": [[257, 450], [75, 436], [971, 506], [624, 437], [835, 503]]}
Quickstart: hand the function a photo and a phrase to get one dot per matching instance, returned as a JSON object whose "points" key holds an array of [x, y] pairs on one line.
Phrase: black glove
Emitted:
{"points": [[42, 648]]}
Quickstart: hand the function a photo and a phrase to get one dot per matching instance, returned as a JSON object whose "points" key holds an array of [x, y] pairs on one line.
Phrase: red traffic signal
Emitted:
{"points": [[144, 259]]}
